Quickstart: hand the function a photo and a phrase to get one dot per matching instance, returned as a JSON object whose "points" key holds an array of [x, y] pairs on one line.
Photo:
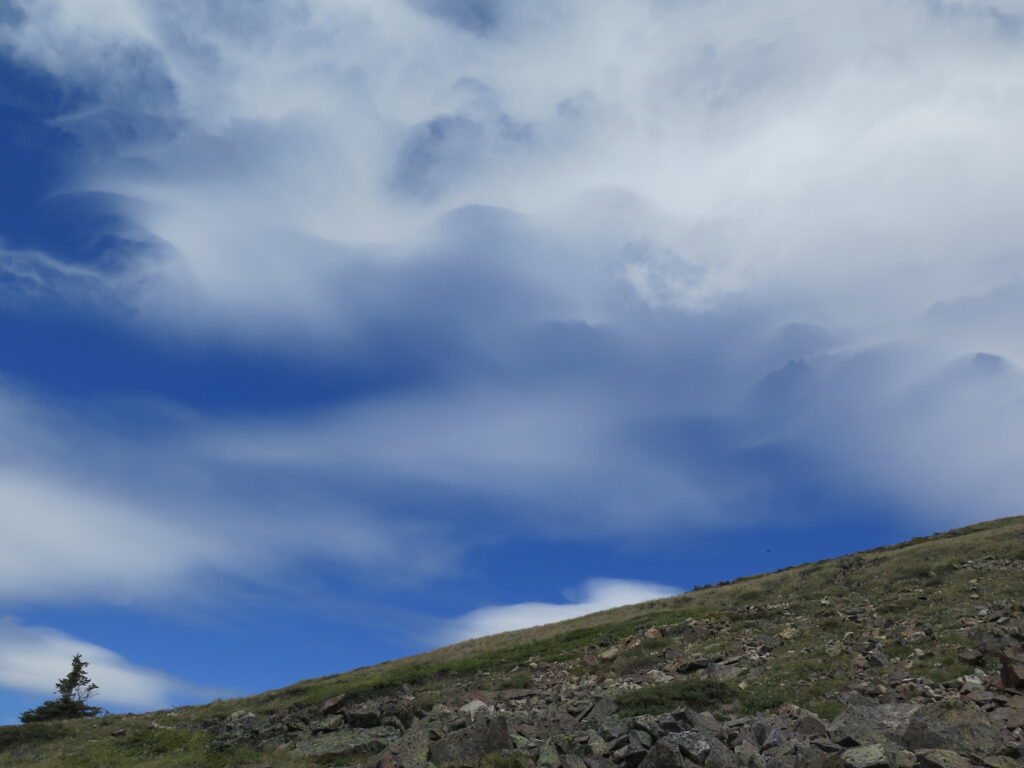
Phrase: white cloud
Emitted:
{"points": [[783, 150], [738, 167], [91, 543], [87, 514], [32, 659], [595, 595]]}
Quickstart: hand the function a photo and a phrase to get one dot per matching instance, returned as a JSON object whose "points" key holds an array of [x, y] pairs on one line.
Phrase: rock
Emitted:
{"points": [[476, 707], [692, 744], [954, 725], [942, 758], [971, 656], [410, 751], [665, 754], [363, 716], [1001, 761], [811, 725], [833, 648], [604, 707], [656, 676], [704, 722], [465, 748], [877, 658], [860, 725], [810, 756], [340, 745], [872, 756], [609, 655], [549, 757], [1011, 673], [333, 706], [237, 728]]}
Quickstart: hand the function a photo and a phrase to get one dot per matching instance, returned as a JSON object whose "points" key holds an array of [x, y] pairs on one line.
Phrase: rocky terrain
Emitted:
{"points": [[904, 656]]}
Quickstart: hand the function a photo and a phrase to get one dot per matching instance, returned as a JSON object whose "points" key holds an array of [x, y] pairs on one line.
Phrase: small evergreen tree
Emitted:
{"points": [[74, 691]]}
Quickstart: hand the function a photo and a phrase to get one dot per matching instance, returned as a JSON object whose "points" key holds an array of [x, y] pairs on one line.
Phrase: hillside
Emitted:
{"points": [[903, 656]]}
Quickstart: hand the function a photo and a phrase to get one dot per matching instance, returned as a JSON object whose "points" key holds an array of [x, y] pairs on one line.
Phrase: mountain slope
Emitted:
{"points": [[901, 656]]}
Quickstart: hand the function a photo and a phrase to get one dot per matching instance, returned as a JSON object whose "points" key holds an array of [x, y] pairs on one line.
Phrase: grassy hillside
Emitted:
{"points": [[796, 636]]}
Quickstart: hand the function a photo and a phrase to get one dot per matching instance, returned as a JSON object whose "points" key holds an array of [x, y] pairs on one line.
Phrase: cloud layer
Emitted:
{"points": [[33, 659], [595, 595], [601, 270]]}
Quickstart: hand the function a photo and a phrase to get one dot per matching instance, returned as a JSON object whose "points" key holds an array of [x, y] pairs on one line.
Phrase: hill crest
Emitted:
{"points": [[907, 655]]}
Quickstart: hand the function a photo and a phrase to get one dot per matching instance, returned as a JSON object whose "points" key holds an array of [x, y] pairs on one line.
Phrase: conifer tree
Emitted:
{"points": [[74, 692]]}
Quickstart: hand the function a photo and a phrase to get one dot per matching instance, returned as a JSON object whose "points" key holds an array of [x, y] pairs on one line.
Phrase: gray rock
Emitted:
{"points": [[333, 706], [410, 751], [476, 708], [363, 716], [603, 708], [942, 758], [237, 728], [665, 754], [872, 756], [692, 744], [954, 725], [340, 745], [811, 725], [861, 725], [877, 658], [465, 748]]}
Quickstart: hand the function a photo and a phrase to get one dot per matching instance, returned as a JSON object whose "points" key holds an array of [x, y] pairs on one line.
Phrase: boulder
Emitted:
{"points": [[347, 743], [954, 725], [665, 754], [809, 724], [410, 751], [1011, 672], [237, 728], [466, 747], [863, 725], [475, 708], [363, 716], [334, 705]]}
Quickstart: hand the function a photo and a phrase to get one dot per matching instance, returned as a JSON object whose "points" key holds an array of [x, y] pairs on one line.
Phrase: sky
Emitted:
{"points": [[332, 332]]}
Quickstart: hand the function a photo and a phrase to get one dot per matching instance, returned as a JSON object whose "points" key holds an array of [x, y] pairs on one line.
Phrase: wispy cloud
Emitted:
{"points": [[33, 659], [595, 595], [610, 268], [89, 514]]}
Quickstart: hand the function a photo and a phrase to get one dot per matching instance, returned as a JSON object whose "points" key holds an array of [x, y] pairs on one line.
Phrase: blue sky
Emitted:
{"points": [[331, 332]]}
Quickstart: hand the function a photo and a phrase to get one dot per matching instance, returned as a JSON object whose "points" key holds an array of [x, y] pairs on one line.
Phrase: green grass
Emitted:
{"points": [[695, 693], [506, 760], [35, 733]]}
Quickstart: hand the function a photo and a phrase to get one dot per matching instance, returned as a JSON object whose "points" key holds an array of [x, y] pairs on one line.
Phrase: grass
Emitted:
{"points": [[35, 733], [696, 693], [506, 760]]}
